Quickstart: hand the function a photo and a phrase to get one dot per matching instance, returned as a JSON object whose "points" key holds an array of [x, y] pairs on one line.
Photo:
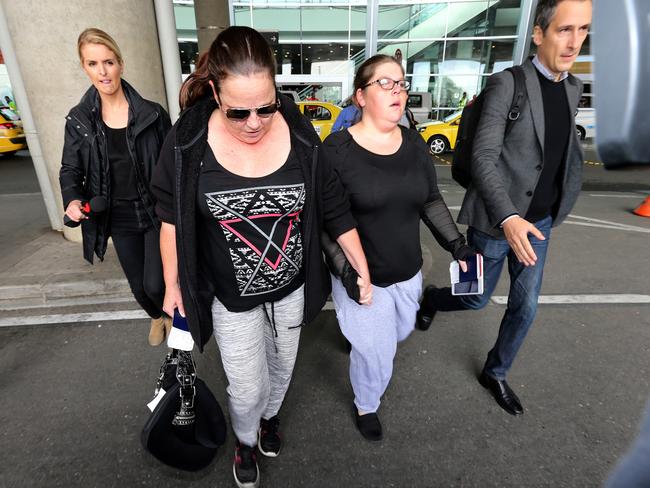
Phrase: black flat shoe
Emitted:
{"points": [[502, 393], [368, 425], [427, 312]]}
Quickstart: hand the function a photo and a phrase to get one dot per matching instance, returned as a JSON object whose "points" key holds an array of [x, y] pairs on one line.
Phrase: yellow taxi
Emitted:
{"points": [[321, 114], [440, 135], [12, 137]]}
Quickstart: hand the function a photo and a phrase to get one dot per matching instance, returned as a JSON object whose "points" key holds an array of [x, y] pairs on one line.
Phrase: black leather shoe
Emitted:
{"points": [[427, 312], [502, 393], [368, 425]]}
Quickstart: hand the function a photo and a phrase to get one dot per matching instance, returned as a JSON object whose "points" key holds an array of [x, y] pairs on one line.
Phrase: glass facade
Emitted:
{"points": [[448, 47]]}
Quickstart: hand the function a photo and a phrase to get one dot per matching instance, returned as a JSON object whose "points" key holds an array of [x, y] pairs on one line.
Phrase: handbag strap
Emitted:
{"points": [[168, 362], [186, 375]]}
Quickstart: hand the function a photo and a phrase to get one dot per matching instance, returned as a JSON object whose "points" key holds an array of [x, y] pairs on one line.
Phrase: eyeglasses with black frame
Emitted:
{"points": [[388, 84], [241, 114]]}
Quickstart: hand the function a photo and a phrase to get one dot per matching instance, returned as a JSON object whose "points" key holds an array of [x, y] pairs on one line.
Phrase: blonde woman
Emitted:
{"points": [[112, 140]]}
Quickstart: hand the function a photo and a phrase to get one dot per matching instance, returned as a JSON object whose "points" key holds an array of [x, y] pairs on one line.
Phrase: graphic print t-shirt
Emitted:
{"points": [[251, 244]]}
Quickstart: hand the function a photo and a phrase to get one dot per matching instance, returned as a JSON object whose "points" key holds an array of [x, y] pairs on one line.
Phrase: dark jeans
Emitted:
{"points": [[525, 284], [137, 244]]}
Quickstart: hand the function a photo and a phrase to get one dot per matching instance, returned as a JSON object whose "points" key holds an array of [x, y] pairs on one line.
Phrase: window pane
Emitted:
{"points": [[463, 57], [452, 89], [497, 55], [321, 58], [243, 16], [428, 20], [189, 52], [416, 55], [288, 57], [467, 19], [393, 21], [503, 17], [324, 23], [358, 24], [417, 21], [266, 19]]}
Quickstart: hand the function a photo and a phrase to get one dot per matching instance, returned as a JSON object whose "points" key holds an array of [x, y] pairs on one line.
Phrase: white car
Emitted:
{"points": [[586, 123]]}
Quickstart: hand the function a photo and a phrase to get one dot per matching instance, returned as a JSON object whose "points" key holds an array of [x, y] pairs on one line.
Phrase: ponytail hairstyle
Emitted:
{"points": [[239, 51]]}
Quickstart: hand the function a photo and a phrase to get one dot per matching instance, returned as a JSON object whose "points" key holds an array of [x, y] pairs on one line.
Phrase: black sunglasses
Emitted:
{"points": [[241, 114]]}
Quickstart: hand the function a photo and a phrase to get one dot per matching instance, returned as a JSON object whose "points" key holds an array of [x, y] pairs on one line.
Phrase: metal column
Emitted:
{"points": [[31, 134], [524, 30], [372, 14], [171, 60]]}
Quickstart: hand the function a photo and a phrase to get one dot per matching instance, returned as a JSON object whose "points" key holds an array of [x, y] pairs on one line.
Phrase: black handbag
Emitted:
{"points": [[187, 425]]}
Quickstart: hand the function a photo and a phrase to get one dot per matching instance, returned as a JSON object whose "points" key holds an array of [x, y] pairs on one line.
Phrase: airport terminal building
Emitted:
{"points": [[447, 48]]}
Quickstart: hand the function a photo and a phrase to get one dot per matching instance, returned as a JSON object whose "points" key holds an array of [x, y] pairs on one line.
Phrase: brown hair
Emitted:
{"points": [[237, 50], [93, 35], [544, 13], [367, 70]]}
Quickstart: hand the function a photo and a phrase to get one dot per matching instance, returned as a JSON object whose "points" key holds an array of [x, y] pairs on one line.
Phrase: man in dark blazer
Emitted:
{"points": [[522, 184]]}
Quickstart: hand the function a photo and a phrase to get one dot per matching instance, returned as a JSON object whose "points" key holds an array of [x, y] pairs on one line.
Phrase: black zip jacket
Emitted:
{"points": [[175, 186], [85, 172]]}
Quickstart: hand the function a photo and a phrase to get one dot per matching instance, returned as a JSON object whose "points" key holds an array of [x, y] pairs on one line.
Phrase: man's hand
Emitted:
{"points": [[516, 230]]}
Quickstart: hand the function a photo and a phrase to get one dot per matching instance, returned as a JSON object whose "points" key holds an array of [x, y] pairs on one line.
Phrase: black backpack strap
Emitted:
{"points": [[518, 96]]}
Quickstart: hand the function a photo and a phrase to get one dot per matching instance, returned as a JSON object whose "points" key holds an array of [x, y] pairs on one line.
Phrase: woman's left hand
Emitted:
{"points": [[463, 265]]}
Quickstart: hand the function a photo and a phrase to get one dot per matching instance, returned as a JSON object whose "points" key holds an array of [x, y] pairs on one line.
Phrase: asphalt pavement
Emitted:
{"points": [[78, 371]]}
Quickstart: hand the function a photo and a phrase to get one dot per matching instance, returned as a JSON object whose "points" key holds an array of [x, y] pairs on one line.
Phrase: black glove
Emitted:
{"points": [[340, 267], [349, 280], [461, 251]]}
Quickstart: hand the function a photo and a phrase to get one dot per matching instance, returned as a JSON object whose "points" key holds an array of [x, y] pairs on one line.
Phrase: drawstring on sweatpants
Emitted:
{"points": [[272, 322]]}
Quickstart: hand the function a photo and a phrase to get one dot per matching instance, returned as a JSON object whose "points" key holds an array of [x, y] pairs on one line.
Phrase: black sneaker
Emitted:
{"points": [[427, 312], [269, 442], [245, 470]]}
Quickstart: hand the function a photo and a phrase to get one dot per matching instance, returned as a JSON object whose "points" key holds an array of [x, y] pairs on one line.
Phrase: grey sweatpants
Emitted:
{"points": [[258, 364], [374, 331]]}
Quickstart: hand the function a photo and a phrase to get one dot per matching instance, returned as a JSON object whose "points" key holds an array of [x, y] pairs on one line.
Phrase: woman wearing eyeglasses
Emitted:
{"points": [[390, 178], [244, 198]]}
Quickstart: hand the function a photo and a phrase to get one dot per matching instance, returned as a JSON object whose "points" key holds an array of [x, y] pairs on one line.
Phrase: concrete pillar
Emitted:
{"points": [[45, 41], [212, 16]]}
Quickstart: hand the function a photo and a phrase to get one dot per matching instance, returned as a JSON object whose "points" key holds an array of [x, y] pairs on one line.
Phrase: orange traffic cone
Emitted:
{"points": [[644, 209]]}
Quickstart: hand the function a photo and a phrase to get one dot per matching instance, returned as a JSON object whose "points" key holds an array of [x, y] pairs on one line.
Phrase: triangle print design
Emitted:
{"points": [[261, 226]]}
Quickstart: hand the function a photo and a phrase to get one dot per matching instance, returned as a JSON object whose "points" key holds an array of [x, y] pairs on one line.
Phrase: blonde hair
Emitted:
{"points": [[93, 35]]}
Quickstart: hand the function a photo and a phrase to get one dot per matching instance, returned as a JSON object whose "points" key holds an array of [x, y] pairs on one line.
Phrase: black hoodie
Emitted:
{"points": [[175, 186], [84, 170]]}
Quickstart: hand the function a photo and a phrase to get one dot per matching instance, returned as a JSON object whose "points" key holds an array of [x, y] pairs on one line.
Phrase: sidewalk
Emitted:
{"points": [[49, 271]]}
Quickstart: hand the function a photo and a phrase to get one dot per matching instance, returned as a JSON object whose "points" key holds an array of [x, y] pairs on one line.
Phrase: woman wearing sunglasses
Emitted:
{"points": [[244, 199], [388, 173], [112, 140]]}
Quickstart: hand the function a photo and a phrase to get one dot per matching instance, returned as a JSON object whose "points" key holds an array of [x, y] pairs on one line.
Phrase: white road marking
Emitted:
{"points": [[606, 224], [614, 196], [140, 314], [65, 302], [20, 195], [582, 299], [74, 317]]}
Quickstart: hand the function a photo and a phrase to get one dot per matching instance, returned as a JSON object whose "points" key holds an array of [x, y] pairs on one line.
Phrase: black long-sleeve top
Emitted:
{"points": [[388, 196]]}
